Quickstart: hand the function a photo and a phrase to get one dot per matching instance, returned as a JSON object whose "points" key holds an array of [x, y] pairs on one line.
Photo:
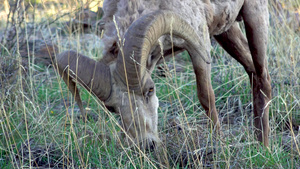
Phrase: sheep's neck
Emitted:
{"points": [[221, 15]]}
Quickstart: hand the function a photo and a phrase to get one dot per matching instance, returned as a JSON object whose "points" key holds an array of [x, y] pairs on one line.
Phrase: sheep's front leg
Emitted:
{"points": [[236, 44], [255, 15], [205, 91]]}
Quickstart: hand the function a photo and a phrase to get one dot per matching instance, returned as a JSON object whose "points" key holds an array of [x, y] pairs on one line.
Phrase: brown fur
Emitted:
{"points": [[207, 18]]}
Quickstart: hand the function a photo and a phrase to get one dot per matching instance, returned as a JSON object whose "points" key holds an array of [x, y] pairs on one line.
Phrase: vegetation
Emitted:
{"points": [[40, 124]]}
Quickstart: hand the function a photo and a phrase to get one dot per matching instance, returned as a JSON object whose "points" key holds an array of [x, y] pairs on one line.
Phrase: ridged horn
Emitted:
{"points": [[144, 33], [94, 76]]}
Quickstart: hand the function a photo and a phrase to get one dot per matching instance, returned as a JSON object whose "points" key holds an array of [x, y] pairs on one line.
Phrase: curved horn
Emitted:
{"points": [[94, 76], [144, 33]]}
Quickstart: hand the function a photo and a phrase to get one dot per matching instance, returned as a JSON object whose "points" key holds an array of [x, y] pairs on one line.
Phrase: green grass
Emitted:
{"points": [[40, 124]]}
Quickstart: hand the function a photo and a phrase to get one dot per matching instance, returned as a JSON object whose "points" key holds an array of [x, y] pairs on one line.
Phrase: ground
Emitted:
{"points": [[41, 125]]}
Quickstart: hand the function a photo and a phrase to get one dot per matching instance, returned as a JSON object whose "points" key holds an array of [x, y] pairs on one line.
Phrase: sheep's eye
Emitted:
{"points": [[151, 91]]}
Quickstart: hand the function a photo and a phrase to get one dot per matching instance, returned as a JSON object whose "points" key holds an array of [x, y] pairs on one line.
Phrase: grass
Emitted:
{"points": [[40, 124]]}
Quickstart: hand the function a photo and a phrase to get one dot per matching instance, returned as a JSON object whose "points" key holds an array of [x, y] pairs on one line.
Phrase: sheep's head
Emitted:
{"points": [[137, 107], [126, 85]]}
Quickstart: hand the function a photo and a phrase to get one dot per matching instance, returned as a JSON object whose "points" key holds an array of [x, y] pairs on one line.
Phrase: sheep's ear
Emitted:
{"points": [[157, 56], [152, 61]]}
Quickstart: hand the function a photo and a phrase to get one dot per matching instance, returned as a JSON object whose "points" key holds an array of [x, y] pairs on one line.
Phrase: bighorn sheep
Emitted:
{"points": [[122, 79]]}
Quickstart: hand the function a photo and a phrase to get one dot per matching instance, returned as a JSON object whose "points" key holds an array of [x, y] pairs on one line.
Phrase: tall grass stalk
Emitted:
{"points": [[41, 125]]}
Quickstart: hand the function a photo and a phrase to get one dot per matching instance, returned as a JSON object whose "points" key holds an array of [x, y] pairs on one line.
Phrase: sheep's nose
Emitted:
{"points": [[150, 145]]}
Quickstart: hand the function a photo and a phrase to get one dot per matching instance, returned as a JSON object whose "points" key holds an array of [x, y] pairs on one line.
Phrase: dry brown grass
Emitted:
{"points": [[39, 119]]}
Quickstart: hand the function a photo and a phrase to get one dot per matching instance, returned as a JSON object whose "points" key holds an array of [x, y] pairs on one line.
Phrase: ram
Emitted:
{"points": [[138, 33]]}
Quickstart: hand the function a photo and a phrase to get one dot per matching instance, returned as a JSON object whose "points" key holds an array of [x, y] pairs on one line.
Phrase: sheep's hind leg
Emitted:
{"points": [[235, 43], [255, 15]]}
